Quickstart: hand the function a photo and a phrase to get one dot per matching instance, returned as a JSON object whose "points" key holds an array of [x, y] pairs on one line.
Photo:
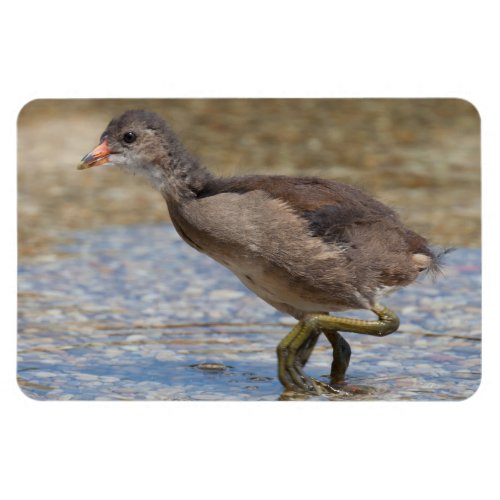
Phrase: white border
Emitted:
{"points": [[244, 450]]}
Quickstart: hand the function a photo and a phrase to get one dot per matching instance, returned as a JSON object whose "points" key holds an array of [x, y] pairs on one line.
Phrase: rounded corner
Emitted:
{"points": [[471, 105], [25, 106], [23, 390], [474, 393]]}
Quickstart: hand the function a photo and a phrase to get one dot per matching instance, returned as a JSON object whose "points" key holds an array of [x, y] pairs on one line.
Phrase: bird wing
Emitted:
{"points": [[371, 234], [332, 209]]}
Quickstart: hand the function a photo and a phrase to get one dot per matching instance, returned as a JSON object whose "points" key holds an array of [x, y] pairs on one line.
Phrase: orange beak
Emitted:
{"points": [[98, 156]]}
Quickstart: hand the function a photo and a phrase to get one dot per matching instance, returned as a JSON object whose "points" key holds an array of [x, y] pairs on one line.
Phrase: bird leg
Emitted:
{"points": [[306, 350], [387, 322], [341, 355], [294, 350]]}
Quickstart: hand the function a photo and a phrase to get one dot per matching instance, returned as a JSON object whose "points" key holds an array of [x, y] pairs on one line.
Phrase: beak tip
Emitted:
{"points": [[98, 156], [82, 166]]}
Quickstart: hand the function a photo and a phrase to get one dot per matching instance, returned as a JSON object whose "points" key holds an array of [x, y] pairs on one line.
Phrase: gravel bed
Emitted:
{"points": [[132, 313]]}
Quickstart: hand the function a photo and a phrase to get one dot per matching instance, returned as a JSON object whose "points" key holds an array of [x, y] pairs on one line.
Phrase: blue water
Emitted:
{"points": [[134, 313]]}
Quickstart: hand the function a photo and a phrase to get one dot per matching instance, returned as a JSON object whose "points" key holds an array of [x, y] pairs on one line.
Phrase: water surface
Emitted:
{"points": [[133, 313]]}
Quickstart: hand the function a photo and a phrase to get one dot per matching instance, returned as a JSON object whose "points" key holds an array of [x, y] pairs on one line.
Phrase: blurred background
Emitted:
{"points": [[420, 156]]}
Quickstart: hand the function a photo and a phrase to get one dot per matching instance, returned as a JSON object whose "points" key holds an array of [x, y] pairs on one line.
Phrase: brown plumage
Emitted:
{"points": [[307, 246]]}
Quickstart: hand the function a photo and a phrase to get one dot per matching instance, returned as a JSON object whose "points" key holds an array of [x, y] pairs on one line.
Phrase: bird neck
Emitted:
{"points": [[184, 179]]}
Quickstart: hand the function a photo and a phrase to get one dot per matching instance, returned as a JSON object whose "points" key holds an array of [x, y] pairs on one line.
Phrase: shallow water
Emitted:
{"points": [[133, 313]]}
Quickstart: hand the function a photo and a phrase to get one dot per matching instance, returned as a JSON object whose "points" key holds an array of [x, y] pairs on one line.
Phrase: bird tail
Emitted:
{"points": [[437, 263]]}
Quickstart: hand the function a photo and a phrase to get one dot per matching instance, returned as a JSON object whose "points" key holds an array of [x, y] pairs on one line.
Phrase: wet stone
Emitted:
{"points": [[210, 366], [111, 320], [260, 379]]}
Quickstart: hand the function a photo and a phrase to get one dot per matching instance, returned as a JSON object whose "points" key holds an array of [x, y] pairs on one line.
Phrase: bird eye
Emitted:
{"points": [[129, 137]]}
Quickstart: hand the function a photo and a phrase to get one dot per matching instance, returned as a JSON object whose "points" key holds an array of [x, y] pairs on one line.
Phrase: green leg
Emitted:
{"points": [[308, 347], [386, 324], [294, 350], [341, 355]]}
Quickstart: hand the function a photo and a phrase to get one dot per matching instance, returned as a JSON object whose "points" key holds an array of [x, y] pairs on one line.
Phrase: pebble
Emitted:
{"points": [[87, 376], [210, 366], [42, 374], [225, 295], [166, 355], [136, 338], [132, 332], [389, 364]]}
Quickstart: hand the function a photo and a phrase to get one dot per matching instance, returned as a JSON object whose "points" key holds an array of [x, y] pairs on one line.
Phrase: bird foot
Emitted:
{"points": [[312, 386], [332, 388]]}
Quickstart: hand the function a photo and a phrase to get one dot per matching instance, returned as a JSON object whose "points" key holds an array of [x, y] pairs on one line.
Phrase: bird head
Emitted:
{"points": [[140, 142]]}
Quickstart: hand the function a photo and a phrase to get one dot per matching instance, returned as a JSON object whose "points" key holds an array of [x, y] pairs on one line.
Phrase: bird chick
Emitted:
{"points": [[307, 246]]}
